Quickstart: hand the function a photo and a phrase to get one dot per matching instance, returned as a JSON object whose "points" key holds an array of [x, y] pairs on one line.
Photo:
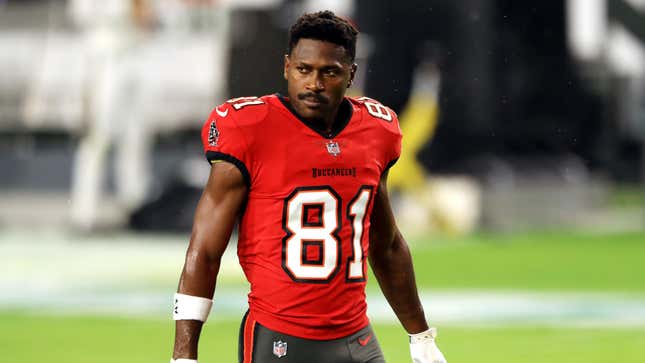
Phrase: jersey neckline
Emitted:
{"points": [[345, 113]]}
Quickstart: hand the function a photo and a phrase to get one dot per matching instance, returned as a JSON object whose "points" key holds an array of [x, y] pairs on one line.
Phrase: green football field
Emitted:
{"points": [[558, 262], [28, 338], [546, 261]]}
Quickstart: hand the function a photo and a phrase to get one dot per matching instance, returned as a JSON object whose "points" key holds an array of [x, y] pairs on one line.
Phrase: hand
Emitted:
{"points": [[423, 348]]}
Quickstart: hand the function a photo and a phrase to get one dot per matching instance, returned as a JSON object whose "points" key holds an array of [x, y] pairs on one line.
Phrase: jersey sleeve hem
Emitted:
{"points": [[213, 156], [390, 164]]}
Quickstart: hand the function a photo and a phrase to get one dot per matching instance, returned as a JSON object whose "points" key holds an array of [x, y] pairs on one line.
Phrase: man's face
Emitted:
{"points": [[317, 73]]}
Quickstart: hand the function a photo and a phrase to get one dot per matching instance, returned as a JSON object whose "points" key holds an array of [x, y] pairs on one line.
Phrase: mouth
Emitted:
{"points": [[311, 102]]}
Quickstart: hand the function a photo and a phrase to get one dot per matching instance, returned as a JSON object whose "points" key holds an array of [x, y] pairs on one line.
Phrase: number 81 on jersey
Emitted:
{"points": [[312, 221]]}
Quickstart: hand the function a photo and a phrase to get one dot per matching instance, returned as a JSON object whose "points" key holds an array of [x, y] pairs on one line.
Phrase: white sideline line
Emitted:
{"points": [[455, 307]]}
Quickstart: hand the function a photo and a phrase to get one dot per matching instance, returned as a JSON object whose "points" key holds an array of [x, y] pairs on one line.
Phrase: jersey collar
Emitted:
{"points": [[345, 113]]}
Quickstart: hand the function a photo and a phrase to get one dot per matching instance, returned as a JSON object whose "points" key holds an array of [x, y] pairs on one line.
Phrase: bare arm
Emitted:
{"points": [[217, 210], [391, 262]]}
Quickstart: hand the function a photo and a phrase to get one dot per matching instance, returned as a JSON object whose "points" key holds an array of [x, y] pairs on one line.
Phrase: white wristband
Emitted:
{"points": [[182, 360], [428, 335], [188, 307]]}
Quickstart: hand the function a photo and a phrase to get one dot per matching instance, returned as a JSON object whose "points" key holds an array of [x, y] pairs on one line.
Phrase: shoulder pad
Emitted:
{"points": [[375, 110], [245, 110]]}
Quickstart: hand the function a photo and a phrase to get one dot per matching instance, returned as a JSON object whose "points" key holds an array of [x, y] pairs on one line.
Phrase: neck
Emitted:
{"points": [[327, 123], [326, 126]]}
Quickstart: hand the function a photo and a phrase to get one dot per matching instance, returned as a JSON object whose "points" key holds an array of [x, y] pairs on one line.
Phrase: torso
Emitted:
{"points": [[303, 238]]}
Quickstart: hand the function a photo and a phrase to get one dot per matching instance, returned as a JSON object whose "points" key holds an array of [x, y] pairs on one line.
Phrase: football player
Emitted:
{"points": [[306, 175]]}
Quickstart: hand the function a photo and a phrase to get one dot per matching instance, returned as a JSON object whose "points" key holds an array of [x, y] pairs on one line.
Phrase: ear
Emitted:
{"points": [[286, 65], [352, 74]]}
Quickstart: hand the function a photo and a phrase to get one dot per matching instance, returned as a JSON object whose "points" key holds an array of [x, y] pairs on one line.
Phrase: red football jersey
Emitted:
{"points": [[304, 234]]}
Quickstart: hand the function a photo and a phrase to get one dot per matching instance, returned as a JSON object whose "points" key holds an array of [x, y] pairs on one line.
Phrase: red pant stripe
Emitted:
{"points": [[249, 329]]}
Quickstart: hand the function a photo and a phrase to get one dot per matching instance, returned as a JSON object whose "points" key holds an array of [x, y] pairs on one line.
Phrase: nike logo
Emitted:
{"points": [[364, 340], [220, 113]]}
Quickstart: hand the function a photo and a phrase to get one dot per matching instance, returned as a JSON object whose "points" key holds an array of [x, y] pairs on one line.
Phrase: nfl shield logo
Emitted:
{"points": [[333, 148], [279, 348]]}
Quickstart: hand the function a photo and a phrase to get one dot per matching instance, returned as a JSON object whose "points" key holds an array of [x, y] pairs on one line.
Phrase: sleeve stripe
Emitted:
{"points": [[215, 156]]}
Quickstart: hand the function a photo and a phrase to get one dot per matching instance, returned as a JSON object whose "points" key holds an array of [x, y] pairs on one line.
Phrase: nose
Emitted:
{"points": [[315, 83]]}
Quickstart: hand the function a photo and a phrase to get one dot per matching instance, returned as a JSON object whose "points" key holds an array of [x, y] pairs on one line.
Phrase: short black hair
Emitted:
{"points": [[325, 26]]}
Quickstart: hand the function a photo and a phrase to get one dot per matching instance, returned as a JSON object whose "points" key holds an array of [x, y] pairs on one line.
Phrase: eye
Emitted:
{"points": [[302, 69], [331, 72]]}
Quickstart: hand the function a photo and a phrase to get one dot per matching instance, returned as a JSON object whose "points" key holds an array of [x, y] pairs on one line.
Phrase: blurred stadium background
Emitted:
{"points": [[527, 226]]}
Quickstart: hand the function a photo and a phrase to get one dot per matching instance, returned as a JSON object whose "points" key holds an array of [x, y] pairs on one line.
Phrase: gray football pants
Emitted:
{"points": [[258, 344]]}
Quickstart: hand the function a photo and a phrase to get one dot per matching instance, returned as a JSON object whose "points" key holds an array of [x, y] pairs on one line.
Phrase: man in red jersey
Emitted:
{"points": [[306, 175]]}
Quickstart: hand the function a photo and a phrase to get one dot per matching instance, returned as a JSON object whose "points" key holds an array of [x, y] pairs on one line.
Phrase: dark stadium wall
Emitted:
{"points": [[540, 107]]}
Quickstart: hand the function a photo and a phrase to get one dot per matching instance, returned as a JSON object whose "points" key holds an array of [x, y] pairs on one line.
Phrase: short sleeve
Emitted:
{"points": [[394, 150], [388, 130], [223, 140]]}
